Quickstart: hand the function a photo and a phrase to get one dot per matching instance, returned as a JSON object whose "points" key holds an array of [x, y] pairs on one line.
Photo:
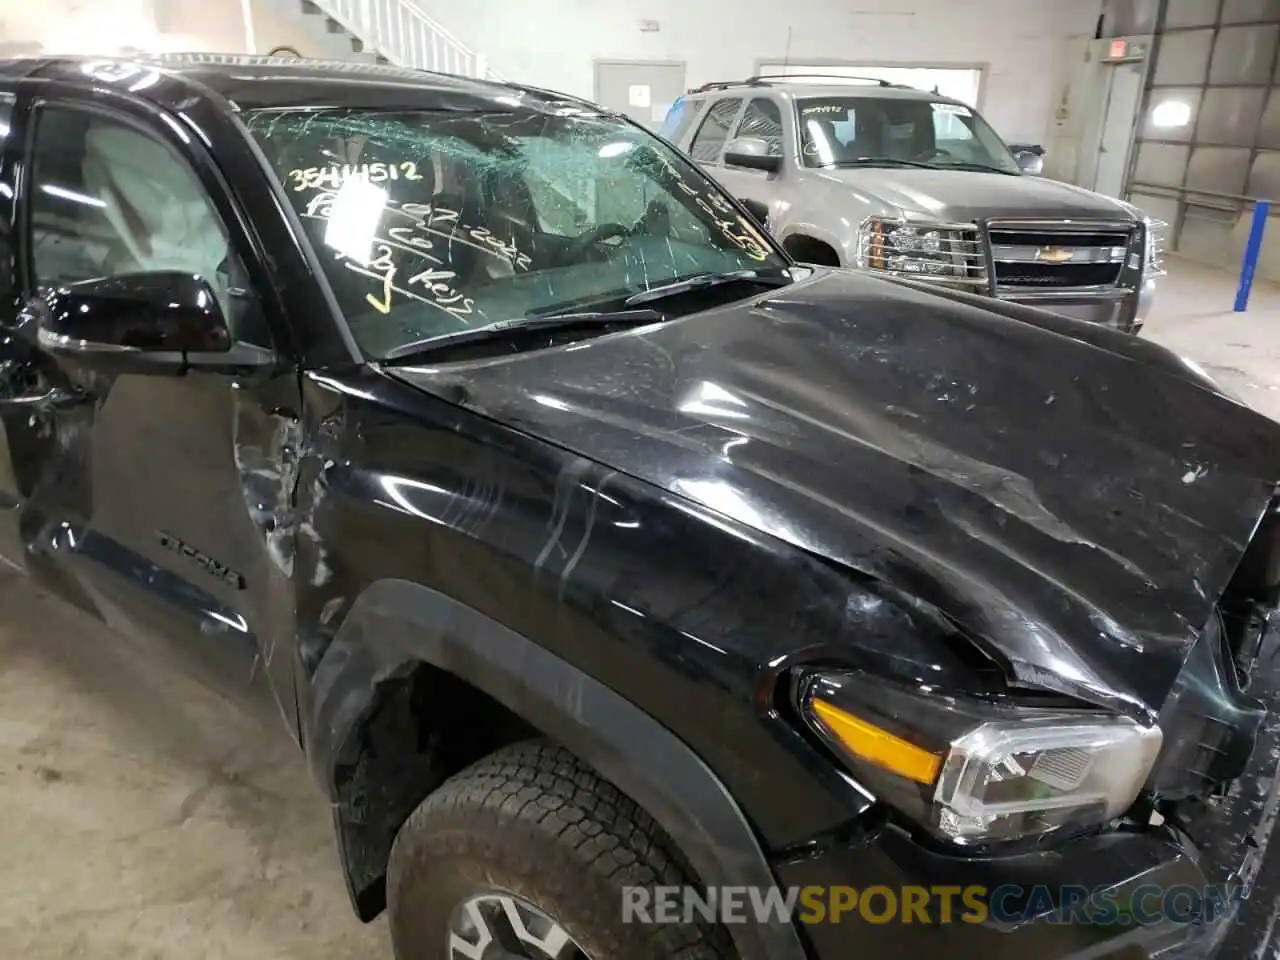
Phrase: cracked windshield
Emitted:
{"points": [[431, 222]]}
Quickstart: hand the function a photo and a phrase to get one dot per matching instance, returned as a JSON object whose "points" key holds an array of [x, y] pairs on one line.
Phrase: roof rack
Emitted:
{"points": [[772, 79]]}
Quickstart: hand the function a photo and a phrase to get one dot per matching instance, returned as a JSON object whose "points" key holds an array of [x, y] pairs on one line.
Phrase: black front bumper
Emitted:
{"points": [[1123, 863], [1204, 885]]}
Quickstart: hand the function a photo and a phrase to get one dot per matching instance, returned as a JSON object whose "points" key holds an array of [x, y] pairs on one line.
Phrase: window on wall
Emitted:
{"points": [[959, 83]]}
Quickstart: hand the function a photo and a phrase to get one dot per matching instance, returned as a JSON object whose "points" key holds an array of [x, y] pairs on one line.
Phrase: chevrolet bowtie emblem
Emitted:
{"points": [[1053, 254]]}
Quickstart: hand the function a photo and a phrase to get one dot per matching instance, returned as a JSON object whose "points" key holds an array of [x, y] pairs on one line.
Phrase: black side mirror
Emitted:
{"points": [[753, 161], [159, 322]]}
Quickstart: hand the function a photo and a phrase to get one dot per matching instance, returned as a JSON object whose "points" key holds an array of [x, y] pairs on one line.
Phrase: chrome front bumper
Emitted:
{"points": [[1118, 307]]}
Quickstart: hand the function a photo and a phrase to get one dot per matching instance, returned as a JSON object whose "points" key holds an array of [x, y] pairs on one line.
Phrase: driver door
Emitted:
{"points": [[155, 496]]}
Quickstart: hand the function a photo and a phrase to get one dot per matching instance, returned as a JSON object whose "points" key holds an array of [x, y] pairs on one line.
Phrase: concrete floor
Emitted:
{"points": [[140, 817], [1193, 316]]}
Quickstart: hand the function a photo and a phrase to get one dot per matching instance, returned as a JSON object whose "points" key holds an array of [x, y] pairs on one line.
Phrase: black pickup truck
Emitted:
{"points": [[592, 549]]}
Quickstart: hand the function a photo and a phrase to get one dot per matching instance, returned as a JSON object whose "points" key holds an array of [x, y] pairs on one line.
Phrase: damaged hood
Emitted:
{"points": [[1075, 508]]}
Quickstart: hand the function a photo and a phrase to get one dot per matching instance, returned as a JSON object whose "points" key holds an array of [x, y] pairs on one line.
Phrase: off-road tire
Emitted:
{"points": [[535, 821]]}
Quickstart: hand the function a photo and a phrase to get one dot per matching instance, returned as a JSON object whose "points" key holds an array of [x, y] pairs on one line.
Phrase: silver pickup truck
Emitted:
{"points": [[913, 184]]}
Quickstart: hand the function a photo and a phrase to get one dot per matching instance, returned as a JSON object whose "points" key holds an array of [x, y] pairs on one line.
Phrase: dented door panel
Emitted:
{"points": [[10, 493], [175, 549], [30, 448]]}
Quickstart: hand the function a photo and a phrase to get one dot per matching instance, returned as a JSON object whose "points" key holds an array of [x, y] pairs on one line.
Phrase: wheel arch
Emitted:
{"points": [[799, 241], [396, 627]]}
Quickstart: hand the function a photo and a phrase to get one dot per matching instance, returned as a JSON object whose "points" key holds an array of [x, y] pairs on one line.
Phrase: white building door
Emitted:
{"points": [[642, 89], [1124, 90]]}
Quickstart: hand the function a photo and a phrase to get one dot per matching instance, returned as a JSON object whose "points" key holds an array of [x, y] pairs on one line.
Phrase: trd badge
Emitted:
{"points": [[219, 571]]}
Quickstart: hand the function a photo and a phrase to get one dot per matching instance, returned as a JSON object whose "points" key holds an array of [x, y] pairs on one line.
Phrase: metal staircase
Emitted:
{"points": [[385, 31]]}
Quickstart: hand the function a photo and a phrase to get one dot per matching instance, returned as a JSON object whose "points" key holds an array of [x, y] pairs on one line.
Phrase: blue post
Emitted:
{"points": [[1261, 208]]}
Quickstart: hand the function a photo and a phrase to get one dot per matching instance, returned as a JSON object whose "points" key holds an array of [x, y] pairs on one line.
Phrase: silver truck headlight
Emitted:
{"points": [[973, 771], [1153, 247], [948, 252]]}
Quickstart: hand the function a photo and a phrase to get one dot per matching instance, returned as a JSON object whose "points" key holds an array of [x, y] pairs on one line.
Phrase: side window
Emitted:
{"points": [[763, 119], [107, 199], [711, 136], [6, 114], [7, 247]]}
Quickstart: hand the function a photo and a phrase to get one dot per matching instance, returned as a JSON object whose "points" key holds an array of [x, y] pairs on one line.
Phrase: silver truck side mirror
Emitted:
{"points": [[1030, 162], [753, 153]]}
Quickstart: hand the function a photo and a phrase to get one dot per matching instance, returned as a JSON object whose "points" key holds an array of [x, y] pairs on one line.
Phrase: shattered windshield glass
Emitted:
{"points": [[430, 222]]}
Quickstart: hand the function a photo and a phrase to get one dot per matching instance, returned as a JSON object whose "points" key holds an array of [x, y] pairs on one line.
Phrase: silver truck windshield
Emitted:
{"points": [[428, 223], [866, 130]]}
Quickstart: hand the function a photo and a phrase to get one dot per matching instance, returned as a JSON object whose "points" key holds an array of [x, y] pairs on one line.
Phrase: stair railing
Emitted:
{"points": [[401, 32]]}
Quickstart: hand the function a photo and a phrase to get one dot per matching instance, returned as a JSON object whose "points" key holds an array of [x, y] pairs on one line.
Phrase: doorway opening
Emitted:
{"points": [[642, 89], [1123, 85]]}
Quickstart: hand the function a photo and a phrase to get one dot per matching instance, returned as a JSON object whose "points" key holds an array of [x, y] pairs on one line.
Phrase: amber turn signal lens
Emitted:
{"points": [[880, 747]]}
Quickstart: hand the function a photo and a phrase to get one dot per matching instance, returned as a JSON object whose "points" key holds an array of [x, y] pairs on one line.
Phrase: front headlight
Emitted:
{"points": [[1153, 243], [973, 771], [949, 252]]}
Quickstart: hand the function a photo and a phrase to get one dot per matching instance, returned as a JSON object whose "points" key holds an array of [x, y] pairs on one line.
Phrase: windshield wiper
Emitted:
{"points": [[968, 165], [703, 280], [881, 162], [500, 328]]}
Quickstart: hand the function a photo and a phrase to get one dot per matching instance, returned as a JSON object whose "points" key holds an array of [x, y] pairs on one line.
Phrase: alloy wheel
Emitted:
{"points": [[500, 926]]}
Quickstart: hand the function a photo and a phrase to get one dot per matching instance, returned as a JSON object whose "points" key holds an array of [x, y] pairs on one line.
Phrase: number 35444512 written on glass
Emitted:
{"points": [[334, 176]]}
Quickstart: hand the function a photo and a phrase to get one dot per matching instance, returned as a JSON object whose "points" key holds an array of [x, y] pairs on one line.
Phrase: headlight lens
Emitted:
{"points": [[1153, 259], [972, 771], [923, 251], [1033, 775]]}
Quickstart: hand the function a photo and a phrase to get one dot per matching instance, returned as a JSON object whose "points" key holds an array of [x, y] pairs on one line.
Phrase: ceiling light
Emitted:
{"points": [[1171, 113]]}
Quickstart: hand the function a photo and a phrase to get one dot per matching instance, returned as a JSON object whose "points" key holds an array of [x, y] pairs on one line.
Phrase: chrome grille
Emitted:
{"points": [[1048, 238], [1031, 274], [1062, 256]]}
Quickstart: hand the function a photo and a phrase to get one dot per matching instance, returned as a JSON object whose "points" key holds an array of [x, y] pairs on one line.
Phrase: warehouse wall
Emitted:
{"points": [[115, 26], [553, 42], [72, 25], [217, 26]]}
